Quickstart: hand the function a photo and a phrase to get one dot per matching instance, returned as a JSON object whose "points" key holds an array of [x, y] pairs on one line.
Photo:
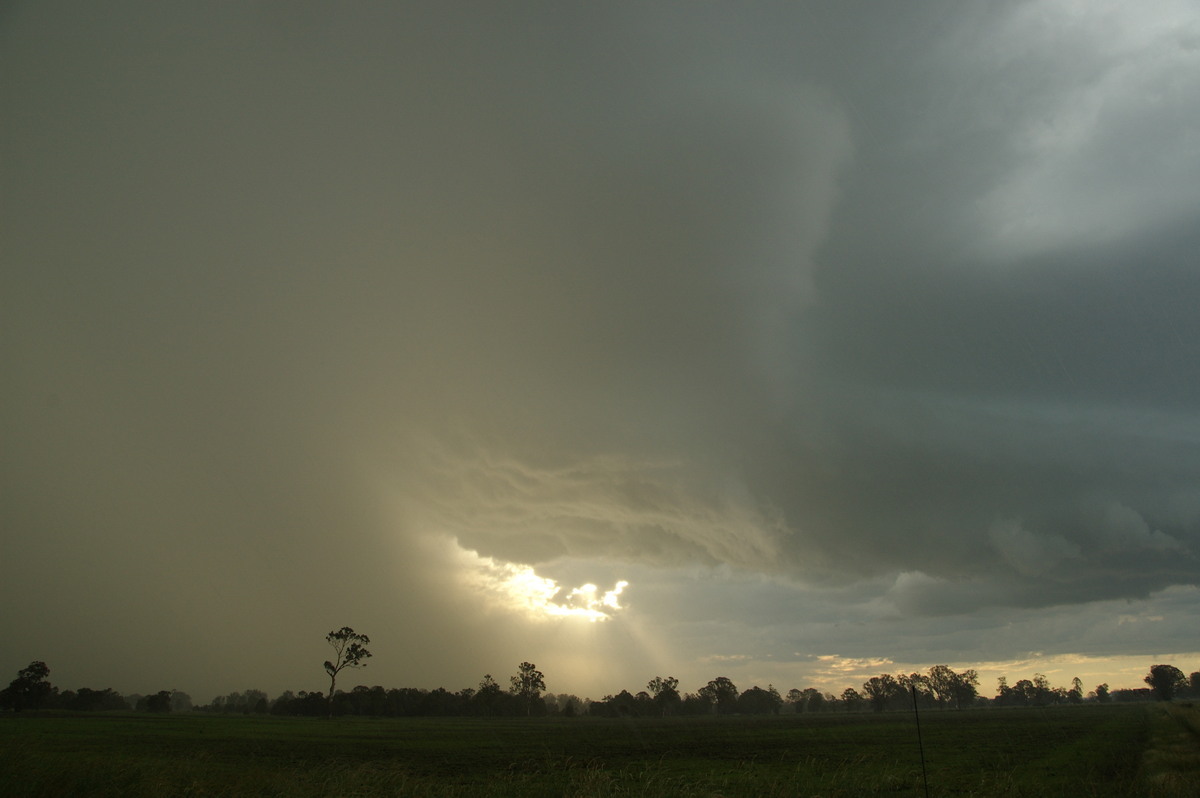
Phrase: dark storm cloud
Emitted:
{"points": [[888, 310]]}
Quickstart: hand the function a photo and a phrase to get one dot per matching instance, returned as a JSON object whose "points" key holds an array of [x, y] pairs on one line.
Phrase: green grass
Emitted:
{"points": [[1078, 751], [1172, 761]]}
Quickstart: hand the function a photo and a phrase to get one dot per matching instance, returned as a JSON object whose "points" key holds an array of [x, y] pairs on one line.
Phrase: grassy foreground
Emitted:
{"points": [[1078, 751]]}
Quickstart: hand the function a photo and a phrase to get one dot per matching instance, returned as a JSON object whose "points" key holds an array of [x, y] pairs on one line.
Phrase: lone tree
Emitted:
{"points": [[29, 690], [350, 648], [528, 685], [1165, 681]]}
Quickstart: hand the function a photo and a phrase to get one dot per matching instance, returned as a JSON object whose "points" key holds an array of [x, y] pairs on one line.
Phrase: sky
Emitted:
{"points": [[789, 342]]}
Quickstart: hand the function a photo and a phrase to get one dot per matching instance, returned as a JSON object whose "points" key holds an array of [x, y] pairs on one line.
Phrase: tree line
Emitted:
{"points": [[940, 687]]}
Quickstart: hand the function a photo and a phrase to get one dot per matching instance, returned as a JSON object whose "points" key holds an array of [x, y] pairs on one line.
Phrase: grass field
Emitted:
{"points": [[1077, 751]]}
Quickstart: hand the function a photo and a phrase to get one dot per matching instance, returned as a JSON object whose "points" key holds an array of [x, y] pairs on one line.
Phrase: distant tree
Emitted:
{"points": [[948, 687], [1024, 692], [253, 701], [720, 693], [757, 701], [30, 690], [851, 699], [527, 685], [89, 700], [966, 688], [487, 697], [666, 693], [159, 702], [810, 700], [881, 689], [1042, 694], [282, 705], [439, 702], [406, 701], [1075, 694], [695, 704], [371, 701], [180, 701], [1165, 681], [570, 705], [1132, 695], [920, 686], [623, 704], [235, 702], [350, 650], [310, 704], [1102, 695], [1003, 691], [1028, 693]]}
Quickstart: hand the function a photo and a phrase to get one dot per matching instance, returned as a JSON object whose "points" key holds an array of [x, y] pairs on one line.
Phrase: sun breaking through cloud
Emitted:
{"points": [[516, 586]]}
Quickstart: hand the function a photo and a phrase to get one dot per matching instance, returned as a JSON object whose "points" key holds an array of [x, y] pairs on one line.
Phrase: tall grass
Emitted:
{"points": [[1171, 763]]}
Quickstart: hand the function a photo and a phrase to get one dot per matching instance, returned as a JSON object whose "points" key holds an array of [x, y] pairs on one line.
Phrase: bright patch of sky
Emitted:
{"points": [[516, 586]]}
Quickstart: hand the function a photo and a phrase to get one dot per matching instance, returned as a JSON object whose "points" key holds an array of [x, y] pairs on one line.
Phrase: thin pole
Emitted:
{"points": [[920, 745]]}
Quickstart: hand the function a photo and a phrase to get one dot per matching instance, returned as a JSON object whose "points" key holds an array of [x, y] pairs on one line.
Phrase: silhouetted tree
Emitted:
{"points": [[89, 700], [941, 682], [569, 706], [1165, 681], [623, 704], [720, 693], [180, 701], [488, 696], [810, 699], [282, 705], [253, 701], [1042, 693], [665, 692], [1130, 695], [694, 704], [1194, 684], [1102, 693], [757, 701], [851, 699], [311, 704], [404, 701], [350, 650], [881, 689], [966, 688], [527, 685], [30, 690], [159, 702], [370, 701], [920, 686], [1003, 692], [949, 687]]}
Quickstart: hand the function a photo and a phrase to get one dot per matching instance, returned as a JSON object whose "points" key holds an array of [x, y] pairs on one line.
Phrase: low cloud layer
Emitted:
{"points": [[841, 334]]}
